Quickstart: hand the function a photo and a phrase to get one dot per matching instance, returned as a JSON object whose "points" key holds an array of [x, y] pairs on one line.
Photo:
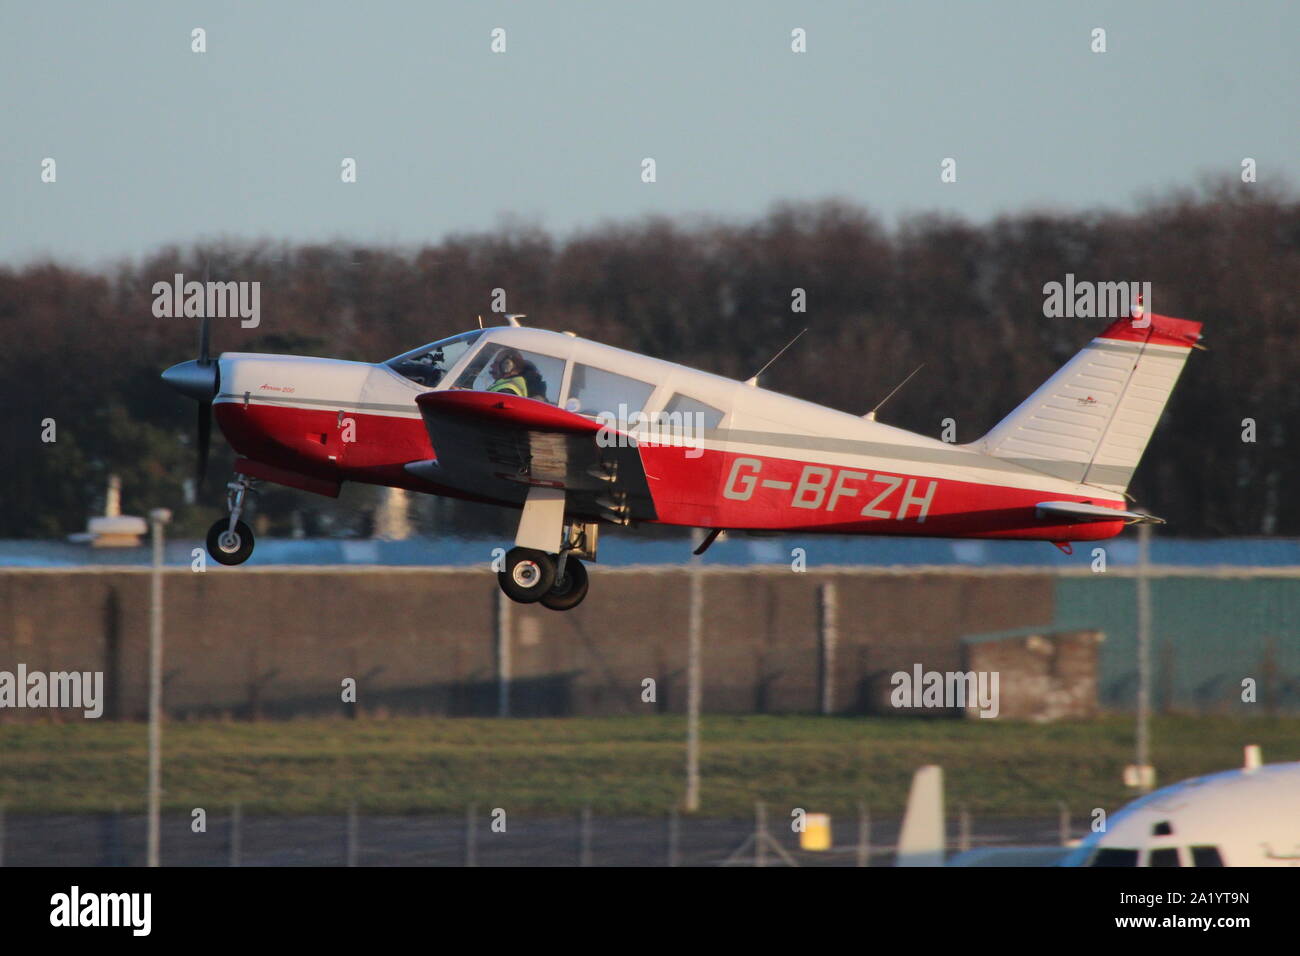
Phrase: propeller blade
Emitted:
{"points": [[205, 439], [205, 337], [205, 327]]}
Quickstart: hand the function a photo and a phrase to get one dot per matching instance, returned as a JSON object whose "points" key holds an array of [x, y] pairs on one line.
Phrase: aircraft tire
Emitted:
{"points": [[567, 592], [527, 576], [228, 547]]}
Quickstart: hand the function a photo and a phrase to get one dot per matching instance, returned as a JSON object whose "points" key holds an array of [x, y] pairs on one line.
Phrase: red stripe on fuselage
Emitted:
{"points": [[709, 490]]}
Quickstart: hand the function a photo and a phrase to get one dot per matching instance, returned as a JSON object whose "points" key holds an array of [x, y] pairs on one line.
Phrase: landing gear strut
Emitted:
{"points": [[230, 541], [556, 580]]}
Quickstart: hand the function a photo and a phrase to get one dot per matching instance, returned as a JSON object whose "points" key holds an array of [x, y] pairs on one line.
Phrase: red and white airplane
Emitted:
{"points": [[575, 433]]}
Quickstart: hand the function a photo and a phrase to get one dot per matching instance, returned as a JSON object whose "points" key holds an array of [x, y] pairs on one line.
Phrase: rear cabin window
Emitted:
{"points": [[594, 390], [684, 405]]}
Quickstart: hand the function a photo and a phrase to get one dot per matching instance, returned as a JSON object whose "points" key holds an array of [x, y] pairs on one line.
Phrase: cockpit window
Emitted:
{"points": [[511, 371], [429, 363], [1115, 856], [1165, 856], [1206, 856]]}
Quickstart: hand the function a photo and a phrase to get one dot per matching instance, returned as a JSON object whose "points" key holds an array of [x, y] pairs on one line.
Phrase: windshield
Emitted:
{"points": [[429, 363]]}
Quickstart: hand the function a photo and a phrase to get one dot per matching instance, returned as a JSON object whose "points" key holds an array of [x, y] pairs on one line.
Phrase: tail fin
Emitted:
{"points": [[1091, 421]]}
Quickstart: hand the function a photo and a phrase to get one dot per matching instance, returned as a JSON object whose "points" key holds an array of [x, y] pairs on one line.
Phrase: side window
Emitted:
{"points": [[684, 405], [1115, 856], [1165, 856], [1206, 856], [594, 391], [511, 371]]}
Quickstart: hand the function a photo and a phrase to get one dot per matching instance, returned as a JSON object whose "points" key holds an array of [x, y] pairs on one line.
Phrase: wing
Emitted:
{"points": [[498, 446]]}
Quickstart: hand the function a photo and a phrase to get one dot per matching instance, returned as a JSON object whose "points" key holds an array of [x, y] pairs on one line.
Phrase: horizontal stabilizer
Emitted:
{"points": [[1078, 511]]}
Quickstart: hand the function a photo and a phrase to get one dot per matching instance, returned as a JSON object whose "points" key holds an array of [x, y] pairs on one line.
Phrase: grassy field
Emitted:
{"points": [[626, 766]]}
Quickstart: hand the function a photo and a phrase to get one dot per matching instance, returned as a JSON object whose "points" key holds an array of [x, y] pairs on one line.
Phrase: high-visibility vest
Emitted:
{"points": [[515, 384]]}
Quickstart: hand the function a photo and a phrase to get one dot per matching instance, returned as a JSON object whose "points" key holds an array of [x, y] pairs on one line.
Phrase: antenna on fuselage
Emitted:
{"points": [[752, 381], [871, 415], [480, 321], [514, 317]]}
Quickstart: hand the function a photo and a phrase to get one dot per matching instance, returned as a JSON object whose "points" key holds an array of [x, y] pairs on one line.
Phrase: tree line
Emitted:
{"points": [[83, 349]]}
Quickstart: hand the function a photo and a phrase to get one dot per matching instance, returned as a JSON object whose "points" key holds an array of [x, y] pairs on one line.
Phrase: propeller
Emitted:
{"points": [[205, 407], [200, 379]]}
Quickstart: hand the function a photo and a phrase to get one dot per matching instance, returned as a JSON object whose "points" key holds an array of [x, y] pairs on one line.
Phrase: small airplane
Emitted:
{"points": [[1243, 817], [574, 433]]}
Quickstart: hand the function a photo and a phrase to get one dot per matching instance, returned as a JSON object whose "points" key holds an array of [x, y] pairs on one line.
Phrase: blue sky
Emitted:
{"points": [[155, 144]]}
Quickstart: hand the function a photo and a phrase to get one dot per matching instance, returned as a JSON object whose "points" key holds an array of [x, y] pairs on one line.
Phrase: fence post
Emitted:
{"points": [[864, 834], [353, 849], [236, 821], [584, 837], [673, 837], [471, 836]]}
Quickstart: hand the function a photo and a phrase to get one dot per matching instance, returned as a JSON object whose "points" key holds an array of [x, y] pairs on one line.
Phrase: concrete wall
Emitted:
{"points": [[276, 642]]}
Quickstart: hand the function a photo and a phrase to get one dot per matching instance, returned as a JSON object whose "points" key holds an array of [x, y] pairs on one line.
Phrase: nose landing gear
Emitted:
{"points": [[230, 541]]}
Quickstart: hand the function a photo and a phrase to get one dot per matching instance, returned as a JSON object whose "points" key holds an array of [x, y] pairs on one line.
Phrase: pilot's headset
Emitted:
{"points": [[511, 356]]}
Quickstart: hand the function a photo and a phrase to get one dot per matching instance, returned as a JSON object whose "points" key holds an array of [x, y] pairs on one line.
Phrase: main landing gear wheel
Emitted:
{"points": [[528, 575], [230, 547], [569, 588]]}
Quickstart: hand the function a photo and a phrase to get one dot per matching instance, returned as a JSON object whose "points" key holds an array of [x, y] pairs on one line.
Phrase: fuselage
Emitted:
{"points": [[748, 459]]}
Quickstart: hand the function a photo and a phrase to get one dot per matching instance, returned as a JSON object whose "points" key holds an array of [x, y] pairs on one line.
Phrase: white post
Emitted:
{"points": [[1143, 655], [157, 518], [693, 690], [829, 621]]}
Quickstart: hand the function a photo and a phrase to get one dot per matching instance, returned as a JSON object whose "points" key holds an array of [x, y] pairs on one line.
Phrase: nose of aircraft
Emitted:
{"points": [[195, 378]]}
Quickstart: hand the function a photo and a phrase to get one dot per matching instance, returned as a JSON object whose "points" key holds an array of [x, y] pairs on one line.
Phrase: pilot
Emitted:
{"points": [[508, 371]]}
